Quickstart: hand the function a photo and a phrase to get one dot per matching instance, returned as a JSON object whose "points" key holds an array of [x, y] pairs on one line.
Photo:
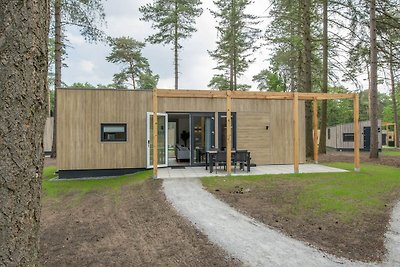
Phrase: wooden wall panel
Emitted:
{"points": [[81, 111], [252, 135], [80, 114]]}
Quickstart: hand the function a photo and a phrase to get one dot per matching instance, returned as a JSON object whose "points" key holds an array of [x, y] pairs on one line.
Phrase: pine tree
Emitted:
{"points": [[84, 14], [23, 109], [237, 38], [126, 51], [174, 21]]}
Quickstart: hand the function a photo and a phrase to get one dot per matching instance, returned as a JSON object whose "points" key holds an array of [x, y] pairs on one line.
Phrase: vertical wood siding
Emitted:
{"points": [[81, 111]]}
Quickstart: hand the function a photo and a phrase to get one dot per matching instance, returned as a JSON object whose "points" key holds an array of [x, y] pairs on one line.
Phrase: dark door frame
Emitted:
{"points": [[192, 148], [234, 144]]}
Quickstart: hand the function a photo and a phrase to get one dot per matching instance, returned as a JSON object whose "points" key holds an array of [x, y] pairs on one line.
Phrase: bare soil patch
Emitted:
{"points": [[274, 202], [49, 162], [348, 156], [134, 226]]}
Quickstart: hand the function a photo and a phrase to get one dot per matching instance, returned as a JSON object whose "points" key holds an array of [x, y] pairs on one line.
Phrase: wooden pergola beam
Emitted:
{"points": [[315, 126], [155, 134], [356, 134], [228, 132], [248, 95], [296, 144]]}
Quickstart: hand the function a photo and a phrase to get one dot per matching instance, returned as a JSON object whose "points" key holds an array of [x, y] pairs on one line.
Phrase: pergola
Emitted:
{"points": [[229, 95], [387, 124]]}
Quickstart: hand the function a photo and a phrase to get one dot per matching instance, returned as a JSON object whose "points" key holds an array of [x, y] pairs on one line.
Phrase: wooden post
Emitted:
{"points": [[387, 134], [356, 134], [155, 134], [296, 132], [228, 131], [315, 124]]}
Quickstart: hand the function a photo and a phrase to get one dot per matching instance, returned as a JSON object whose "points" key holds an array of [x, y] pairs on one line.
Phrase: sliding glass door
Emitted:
{"points": [[202, 136]]}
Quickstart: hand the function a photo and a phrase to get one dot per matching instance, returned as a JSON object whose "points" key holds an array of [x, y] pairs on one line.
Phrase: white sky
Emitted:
{"points": [[86, 62]]}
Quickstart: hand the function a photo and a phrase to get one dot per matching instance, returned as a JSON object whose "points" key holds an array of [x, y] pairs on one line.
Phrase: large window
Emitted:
{"points": [[348, 137], [113, 132]]}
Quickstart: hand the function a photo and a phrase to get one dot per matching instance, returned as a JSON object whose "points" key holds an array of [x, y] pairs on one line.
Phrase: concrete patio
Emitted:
{"points": [[198, 172]]}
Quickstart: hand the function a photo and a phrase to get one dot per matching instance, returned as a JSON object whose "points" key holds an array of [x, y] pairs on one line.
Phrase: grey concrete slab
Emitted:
{"points": [[198, 172]]}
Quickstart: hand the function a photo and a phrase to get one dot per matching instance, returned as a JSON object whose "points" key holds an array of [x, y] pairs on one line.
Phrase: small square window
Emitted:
{"points": [[348, 137], [113, 132]]}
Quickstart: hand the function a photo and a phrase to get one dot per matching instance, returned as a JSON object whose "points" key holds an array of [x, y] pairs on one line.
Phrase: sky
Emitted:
{"points": [[86, 62]]}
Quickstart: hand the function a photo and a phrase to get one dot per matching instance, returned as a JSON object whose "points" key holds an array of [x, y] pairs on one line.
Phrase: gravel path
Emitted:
{"points": [[393, 238], [253, 243]]}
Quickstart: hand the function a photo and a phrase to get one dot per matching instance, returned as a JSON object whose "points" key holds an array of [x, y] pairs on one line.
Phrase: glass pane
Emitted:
{"points": [[114, 129], [203, 137], [162, 153]]}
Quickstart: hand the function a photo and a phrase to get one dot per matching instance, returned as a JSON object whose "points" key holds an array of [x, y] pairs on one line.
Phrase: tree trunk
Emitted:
{"points": [[324, 106], [132, 76], [307, 73], [373, 110], [393, 93], [57, 71], [176, 46], [23, 111]]}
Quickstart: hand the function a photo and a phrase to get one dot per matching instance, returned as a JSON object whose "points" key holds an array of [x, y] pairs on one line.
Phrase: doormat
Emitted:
{"points": [[178, 167]]}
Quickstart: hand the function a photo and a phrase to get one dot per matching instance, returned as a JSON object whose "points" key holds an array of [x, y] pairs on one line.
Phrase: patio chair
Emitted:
{"points": [[241, 158], [220, 159]]}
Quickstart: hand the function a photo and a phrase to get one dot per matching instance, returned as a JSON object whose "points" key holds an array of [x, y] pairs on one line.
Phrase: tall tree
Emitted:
{"points": [[373, 108], [237, 38], [84, 14], [23, 109], [174, 21], [127, 52], [324, 106], [307, 68]]}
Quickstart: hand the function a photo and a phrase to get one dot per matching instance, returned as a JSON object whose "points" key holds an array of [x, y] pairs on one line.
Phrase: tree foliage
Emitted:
{"points": [[127, 52], [173, 21], [237, 38]]}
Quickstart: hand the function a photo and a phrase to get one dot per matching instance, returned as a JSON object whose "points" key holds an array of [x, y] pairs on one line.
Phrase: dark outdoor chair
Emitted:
{"points": [[220, 160], [242, 157]]}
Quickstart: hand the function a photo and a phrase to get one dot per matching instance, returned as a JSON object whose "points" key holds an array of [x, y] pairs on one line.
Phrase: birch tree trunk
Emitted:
{"points": [[23, 111]]}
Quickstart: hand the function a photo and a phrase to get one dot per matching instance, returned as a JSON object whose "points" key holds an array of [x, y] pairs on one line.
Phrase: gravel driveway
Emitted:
{"points": [[255, 244]]}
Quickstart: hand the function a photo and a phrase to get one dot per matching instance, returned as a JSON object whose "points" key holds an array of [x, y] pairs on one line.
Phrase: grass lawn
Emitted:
{"points": [[343, 213], [388, 151], [122, 221], [54, 188]]}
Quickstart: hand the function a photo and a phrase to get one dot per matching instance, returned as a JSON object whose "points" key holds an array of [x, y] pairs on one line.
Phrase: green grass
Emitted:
{"points": [[342, 194], [54, 188], [395, 152]]}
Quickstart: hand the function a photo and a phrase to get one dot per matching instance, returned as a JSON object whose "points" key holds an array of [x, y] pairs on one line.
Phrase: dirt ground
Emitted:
{"points": [[49, 162], [132, 227], [348, 156], [362, 239]]}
